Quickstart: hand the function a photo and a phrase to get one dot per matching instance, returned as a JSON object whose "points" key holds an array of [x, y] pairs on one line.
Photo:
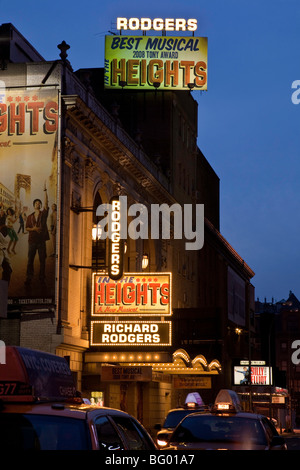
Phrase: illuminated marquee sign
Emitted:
{"points": [[131, 333], [115, 243], [157, 24], [135, 294], [145, 62]]}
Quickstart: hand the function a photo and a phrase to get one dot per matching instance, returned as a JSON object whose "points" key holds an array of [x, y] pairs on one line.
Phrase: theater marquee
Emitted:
{"points": [[135, 294], [145, 62]]}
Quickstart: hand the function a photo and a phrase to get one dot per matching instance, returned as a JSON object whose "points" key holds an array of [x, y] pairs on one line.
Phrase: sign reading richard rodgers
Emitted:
{"points": [[28, 189], [131, 333], [134, 294], [142, 62]]}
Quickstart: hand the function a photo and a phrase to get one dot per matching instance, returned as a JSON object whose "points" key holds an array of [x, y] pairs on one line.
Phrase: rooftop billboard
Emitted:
{"points": [[149, 62]]}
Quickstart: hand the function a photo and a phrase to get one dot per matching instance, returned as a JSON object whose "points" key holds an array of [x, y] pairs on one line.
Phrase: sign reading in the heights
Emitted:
{"points": [[135, 294], [151, 62]]}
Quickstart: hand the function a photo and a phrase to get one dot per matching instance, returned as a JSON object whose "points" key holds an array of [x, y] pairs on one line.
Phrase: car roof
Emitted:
{"points": [[67, 409], [239, 414], [185, 408], [37, 382], [178, 409]]}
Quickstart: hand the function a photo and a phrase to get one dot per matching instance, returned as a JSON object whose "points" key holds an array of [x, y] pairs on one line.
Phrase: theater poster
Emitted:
{"points": [[28, 193]]}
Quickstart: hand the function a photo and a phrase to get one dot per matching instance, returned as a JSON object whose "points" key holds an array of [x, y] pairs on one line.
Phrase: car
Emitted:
{"points": [[40, 409], [226, 427], [193, 403]]}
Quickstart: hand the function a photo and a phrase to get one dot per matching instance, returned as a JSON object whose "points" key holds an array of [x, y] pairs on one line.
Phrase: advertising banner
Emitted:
{"points": [[134, 294], [145, 62], [28, 193], [260, 375], [35, 373]]}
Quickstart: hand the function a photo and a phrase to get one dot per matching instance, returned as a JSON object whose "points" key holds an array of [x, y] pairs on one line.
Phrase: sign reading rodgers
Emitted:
{"points": [[145, 62]]}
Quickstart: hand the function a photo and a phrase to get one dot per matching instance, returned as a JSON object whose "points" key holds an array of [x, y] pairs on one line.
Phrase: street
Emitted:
{"points": [[292, 439], [293, 442]]}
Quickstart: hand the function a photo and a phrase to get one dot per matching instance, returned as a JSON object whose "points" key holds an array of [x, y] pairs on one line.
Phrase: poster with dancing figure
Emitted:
{"points": [[28, 193]]}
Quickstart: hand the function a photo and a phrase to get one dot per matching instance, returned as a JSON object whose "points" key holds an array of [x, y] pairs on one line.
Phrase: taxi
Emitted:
{"points": [[40, 409], [225, 427], [193, 403]]}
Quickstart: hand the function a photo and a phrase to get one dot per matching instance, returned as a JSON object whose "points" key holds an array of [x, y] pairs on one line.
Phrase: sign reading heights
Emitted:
{"points": [[148, 62], [135, 294]]}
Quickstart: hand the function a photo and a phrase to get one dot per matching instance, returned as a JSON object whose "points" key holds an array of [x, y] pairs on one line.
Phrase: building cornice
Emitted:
{"points": [[229, 249], [126, 153]]}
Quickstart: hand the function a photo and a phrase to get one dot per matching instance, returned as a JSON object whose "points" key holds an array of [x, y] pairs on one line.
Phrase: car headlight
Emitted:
{"points": [[162, 443]]}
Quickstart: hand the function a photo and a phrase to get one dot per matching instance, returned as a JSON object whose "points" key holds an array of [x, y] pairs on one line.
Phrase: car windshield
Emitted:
{"points": [[174, 417], [211, 428], [38, 432]]}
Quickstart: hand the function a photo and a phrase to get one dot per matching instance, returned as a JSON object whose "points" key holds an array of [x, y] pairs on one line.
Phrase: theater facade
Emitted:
{"points": [[166, 326]]}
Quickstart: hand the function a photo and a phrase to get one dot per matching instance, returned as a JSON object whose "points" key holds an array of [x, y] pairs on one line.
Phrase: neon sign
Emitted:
{"points": [[134, 294], [157, 24], [115, 246], [131, 333]]}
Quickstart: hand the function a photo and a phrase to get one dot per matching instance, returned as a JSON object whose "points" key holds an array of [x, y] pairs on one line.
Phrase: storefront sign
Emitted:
{"points": [[134, 294], [192, 382], [149, 62], [130, 333], [126, 373], [278, 400]]}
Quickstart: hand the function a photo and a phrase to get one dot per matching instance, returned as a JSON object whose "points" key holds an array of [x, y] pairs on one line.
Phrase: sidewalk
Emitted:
{"points": [[293, 432]]}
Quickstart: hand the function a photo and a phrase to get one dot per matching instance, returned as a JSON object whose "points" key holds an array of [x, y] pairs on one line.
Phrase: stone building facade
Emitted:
{"points": [[99, 151]]}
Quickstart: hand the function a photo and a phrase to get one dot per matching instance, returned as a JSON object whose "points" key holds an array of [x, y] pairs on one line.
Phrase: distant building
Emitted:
{"points": [[278, 330]]}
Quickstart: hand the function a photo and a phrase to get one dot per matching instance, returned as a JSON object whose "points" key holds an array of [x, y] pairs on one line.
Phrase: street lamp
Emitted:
{"points": [[145, 261], [96, 232]]}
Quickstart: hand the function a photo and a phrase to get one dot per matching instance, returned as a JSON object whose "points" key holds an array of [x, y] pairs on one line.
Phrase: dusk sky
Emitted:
{"points": [[249, 128]]}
